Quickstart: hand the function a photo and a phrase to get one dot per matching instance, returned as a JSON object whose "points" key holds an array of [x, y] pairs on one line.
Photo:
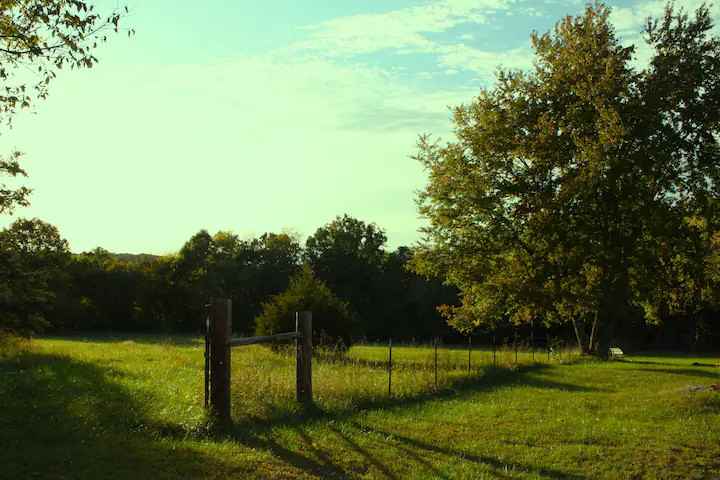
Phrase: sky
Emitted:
{"points": [[268, 116]]}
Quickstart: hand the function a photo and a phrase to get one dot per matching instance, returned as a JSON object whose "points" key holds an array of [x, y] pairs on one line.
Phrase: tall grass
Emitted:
{"points": [[263, 380], [132, 408]]}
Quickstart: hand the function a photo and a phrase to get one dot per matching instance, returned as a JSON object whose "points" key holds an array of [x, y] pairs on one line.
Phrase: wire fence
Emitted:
{"points": [[438, 365]]}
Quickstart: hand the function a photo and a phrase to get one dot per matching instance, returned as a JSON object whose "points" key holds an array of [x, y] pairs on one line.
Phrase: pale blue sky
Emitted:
{"points": [[264, 116]]}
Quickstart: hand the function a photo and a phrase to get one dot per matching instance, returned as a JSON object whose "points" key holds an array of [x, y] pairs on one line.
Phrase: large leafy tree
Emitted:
{"points": [[33, 257], [348, 254], [581, 189]]}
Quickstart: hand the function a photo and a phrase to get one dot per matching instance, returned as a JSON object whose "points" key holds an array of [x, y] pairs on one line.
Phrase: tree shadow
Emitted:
{"points": [[415, 449], [487, 379], [630, 361], [681, 371], [63, 417], [259, 433]]}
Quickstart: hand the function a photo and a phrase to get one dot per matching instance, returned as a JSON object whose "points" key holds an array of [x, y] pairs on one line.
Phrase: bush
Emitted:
{"points": [[333, 319], [11, 345]]}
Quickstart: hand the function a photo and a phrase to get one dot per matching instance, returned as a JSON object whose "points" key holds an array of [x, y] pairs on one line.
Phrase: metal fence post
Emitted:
{"points": [[436, 346], [206, 372], [494, 354], [469, 352], [547, 345], [390, 367]]}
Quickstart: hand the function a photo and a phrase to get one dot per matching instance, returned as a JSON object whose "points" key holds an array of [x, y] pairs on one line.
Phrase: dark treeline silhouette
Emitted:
{"points": [[102, 291], [45, 288]]}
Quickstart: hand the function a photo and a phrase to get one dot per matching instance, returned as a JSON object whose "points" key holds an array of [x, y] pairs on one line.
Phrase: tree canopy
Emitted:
{"points": [[32, 260], [348, 255], [46, 35], [584, 188]]}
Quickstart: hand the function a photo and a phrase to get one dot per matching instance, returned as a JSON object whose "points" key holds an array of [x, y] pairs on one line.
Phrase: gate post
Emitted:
{"points": [[220, 331], [303, 359]]}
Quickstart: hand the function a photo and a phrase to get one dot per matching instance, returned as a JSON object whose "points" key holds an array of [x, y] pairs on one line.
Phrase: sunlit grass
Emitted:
{"points": [[133, 408]]}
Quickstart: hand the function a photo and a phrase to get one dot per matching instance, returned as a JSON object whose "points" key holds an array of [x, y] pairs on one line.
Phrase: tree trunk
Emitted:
{"points": [[578, 336], [591, 343]]}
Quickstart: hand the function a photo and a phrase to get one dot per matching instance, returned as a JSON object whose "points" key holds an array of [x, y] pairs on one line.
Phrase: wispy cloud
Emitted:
{"points": [[399, 30], [485, 63], [414, 30]]}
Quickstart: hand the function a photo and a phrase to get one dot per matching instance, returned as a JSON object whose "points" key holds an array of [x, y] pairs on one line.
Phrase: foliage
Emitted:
{"points": [[46, 35], [570, 191], [348, 255], [332, 317], [11, 198], [32, 260]]}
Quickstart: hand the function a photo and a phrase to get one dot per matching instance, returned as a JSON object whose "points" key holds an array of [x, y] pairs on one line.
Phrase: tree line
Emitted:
{"points": [[344, 267], [355, 286]]}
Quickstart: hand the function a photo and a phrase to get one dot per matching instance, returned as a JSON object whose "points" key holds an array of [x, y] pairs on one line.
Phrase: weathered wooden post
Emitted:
{"points": [[220, 331], [303, 326]]}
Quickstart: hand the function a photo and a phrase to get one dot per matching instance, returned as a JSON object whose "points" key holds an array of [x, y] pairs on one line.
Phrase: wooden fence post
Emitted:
{"points": [[303, 326], [221, 329]]}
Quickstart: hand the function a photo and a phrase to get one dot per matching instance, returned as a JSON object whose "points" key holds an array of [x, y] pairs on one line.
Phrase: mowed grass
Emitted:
{"points": [[132, 408]]}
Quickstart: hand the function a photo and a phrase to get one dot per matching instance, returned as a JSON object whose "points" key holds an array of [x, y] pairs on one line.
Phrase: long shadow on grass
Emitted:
{"points": [[62, 417], [488, 378], [689, 372], [497, 467], [258, 433]]}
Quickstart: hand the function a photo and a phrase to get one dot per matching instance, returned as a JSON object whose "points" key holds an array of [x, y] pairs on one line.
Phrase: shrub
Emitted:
{"points": [[333, 318]]}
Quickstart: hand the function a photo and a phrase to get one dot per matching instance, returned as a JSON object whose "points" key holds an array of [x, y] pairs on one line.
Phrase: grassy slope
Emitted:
{"points": [[132, 409]]}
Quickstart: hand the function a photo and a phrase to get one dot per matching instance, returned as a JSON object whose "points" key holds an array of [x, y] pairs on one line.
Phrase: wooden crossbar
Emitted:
{"points": [[220, 346], [240, 342]]}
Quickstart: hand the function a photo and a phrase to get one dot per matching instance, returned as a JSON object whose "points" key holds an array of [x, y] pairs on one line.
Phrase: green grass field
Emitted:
{"points": [[132, 408]]}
